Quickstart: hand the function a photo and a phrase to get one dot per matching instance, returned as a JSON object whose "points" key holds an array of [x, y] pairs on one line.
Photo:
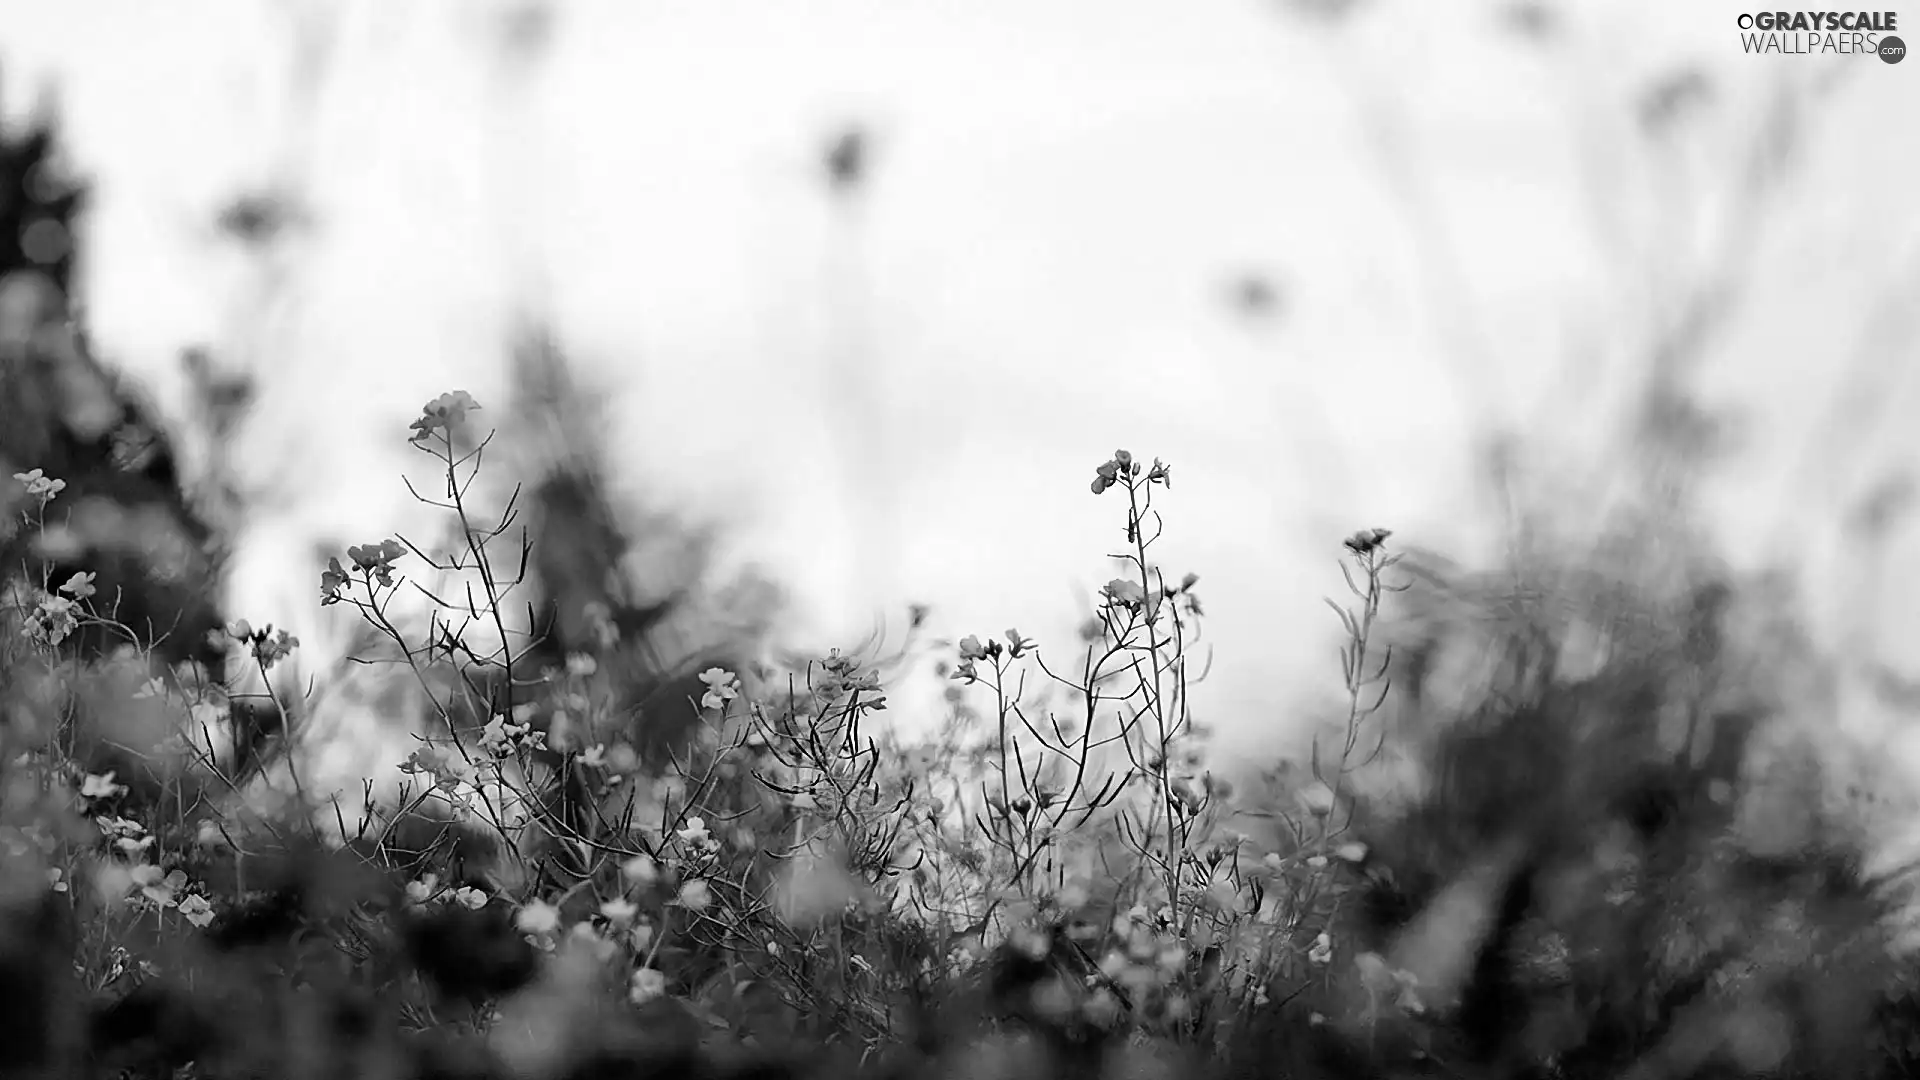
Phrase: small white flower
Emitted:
{"points": [[695, 895], [537, 917], [584, 936], [641, 870], [197, 910], [647, 984], [424, 889], [695, 834], [101, 787], [722, 686]]}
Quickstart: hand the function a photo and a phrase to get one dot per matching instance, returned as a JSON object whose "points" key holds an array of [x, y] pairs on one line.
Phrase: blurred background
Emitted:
{"points": [[874, 287]]}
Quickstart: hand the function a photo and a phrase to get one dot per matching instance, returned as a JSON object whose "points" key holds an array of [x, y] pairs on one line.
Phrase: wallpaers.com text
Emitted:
{"points": [[1813, 32]]}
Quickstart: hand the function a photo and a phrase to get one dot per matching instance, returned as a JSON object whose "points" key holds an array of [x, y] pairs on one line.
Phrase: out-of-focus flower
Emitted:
{"points": [[101, 787], [646, 985], [722, 686], [537, 917], [695, 895]]}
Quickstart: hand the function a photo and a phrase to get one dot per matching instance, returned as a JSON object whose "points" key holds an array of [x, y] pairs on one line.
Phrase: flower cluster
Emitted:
{"points": [[40, 485], [443, 413], [1121, 466]]}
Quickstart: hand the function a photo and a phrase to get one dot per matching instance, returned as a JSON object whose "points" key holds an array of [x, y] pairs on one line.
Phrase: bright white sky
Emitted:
{"points": [[1060, 192]]}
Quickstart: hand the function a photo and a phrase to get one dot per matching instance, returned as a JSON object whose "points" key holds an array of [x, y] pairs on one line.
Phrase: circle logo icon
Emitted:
{"points": [[1892, 49]]}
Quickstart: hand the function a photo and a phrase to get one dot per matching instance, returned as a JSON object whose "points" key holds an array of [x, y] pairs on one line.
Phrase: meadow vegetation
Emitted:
{"points": [[1514, 851]]}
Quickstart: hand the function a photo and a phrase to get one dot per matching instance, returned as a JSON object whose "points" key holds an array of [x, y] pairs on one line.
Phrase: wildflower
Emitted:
{"points": [[1352, 851], [595, 756], [580, 665], [1186, 797], [1322, 951], [1380, 978], [274, 646], [1366, 541], [695, 834], [619, 910], [641, 870], [376, 559], [647, 984], [599, 620], [583, 935], [498, 737], [56, 879], [52, 621], [157, 887], [1017, 645], [79, 586], [1124, 593], [442, 413], [622, 758], [469, 897], [1030, 942], [240, 630], [333, 580], [971, 649], [101, 787], [111, 881], [41, 485], [129, 836], [209, 835], [423, 889], [695, 895], [196, 910], [537, 917], [722, 687]]}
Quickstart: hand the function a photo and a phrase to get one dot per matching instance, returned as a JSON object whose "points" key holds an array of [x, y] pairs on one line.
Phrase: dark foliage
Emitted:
{"points": [[124, 515]]}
